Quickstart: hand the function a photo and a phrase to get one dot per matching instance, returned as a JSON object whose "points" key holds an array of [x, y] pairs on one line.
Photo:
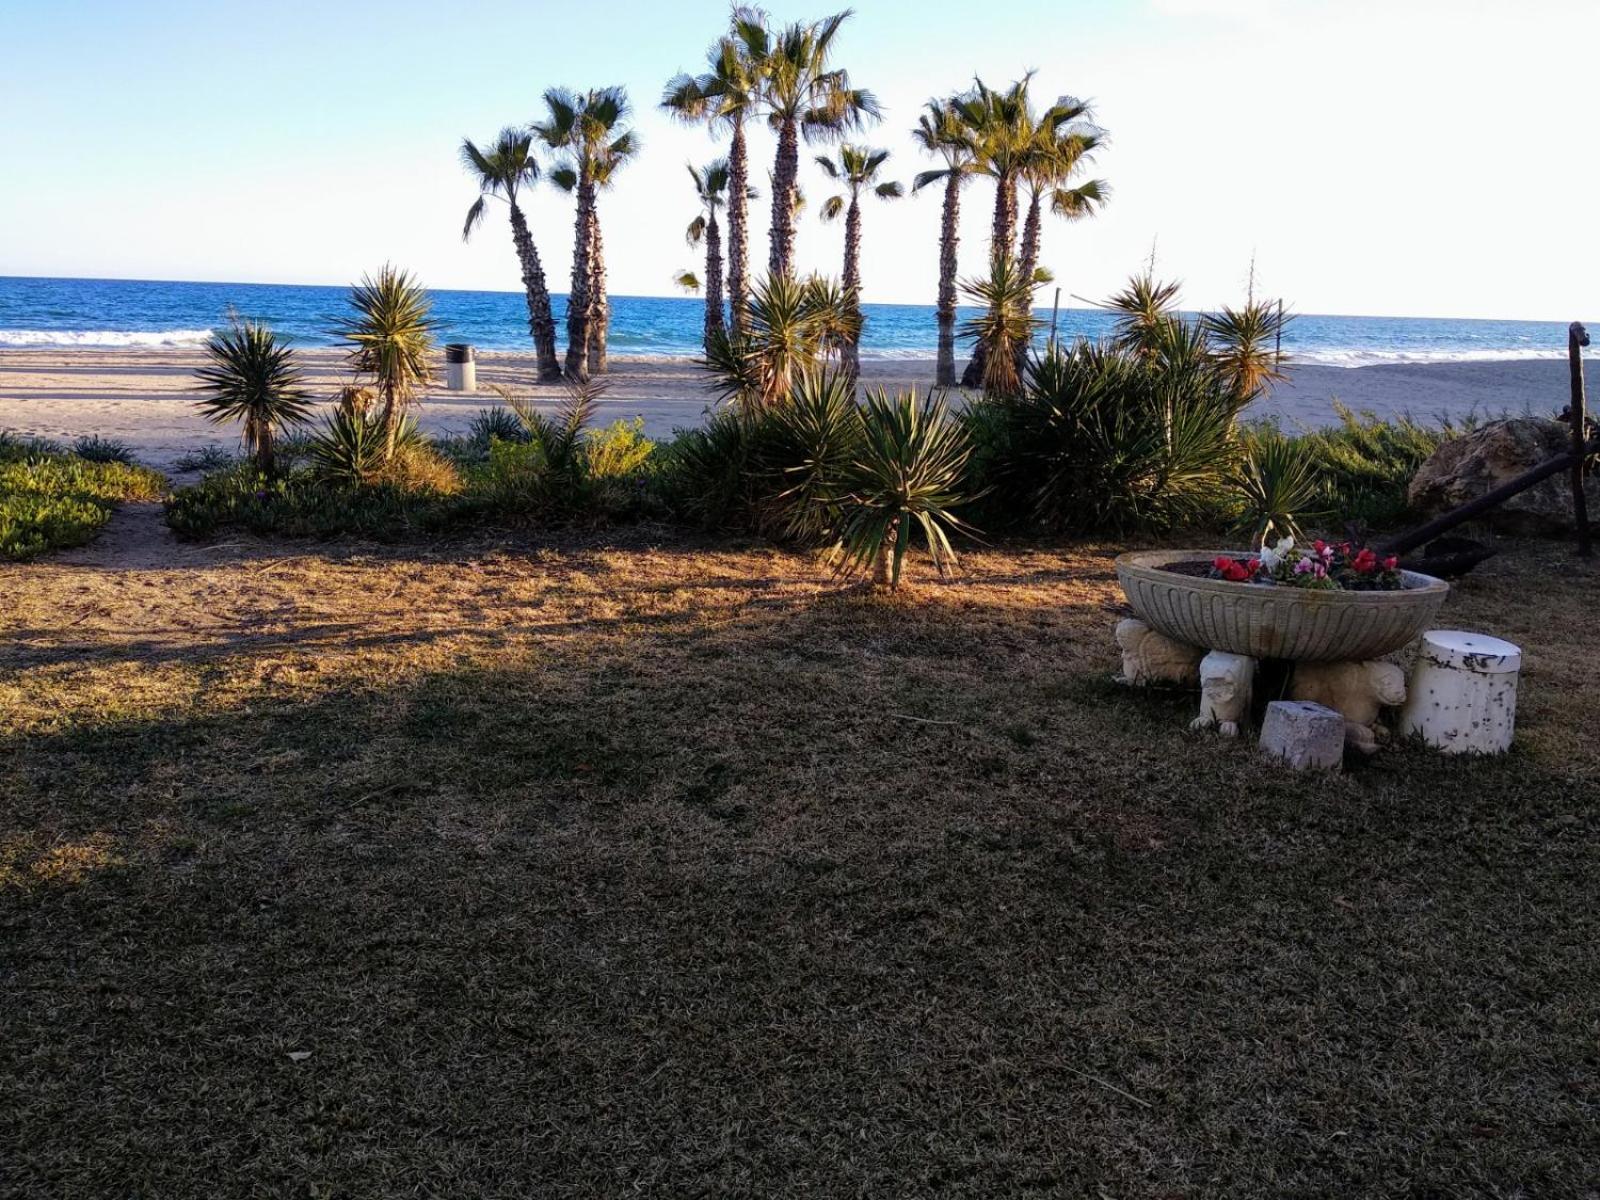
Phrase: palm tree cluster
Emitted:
{"points": [[788, 77], [588, 138]]}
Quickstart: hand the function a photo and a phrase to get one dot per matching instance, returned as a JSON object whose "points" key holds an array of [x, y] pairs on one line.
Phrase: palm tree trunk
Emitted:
{"points": [[883, 561], [1002, 242], [785, 172], [949, 240], [599, 305], [714, 322], [1028, 265], [1005, 215], [578, 298], [850, 353], [738, 228], [541, 325]]}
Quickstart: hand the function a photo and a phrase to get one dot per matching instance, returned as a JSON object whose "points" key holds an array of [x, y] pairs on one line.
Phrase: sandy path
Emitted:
{"points": [[146, 398]]}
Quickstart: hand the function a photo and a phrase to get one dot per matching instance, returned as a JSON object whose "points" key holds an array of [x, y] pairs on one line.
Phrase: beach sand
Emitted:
{"points": [[146, 397]]}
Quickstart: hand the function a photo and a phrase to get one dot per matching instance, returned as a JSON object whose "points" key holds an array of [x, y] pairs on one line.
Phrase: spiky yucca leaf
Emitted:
{"points": [[907, 475], [1275, 485], [251, 376]]}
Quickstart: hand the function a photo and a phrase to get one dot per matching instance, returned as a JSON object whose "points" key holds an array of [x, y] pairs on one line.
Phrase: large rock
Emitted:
{"points": [[1467, 467]]}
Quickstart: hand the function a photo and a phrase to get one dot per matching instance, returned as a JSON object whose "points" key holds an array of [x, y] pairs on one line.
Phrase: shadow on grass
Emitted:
{"points": [[839, 897]]}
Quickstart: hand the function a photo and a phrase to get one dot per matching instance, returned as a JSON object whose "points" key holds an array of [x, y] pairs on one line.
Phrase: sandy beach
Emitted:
{"points": [[146, 398]]}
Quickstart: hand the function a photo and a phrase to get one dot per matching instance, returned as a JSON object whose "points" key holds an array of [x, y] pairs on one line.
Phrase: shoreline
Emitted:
{"points": [[144, 395]]}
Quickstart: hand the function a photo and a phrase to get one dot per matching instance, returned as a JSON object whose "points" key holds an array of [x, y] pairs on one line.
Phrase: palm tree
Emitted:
{"points": [[725, 95], [857, 169], [584, 128], [390, 339], [940, 131], [252, 377], [803, 96], [1002, 125], [711, 185], [501, 171], [1065, 140]]}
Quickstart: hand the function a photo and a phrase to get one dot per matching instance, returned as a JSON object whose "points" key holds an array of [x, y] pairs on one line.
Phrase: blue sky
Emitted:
{"points": [[1413, 157]]}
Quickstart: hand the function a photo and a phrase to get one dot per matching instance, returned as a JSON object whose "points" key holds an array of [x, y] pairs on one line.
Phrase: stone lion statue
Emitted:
{"points": [[1226, 681], [1355, 690], [1149, 657]]}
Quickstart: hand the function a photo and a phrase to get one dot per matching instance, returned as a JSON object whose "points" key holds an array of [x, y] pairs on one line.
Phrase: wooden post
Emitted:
{"points": [[1577, 339]]}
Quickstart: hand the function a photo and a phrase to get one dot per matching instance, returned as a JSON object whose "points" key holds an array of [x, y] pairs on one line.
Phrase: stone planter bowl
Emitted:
{"points": [[1275, 622]]}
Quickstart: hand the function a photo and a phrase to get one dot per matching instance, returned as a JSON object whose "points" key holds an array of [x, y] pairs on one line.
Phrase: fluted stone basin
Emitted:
{"points": [[1275, 622]]}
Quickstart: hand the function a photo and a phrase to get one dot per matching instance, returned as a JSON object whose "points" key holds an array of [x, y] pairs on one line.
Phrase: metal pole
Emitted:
{"points": [[1055, 313], [1577, 339]]}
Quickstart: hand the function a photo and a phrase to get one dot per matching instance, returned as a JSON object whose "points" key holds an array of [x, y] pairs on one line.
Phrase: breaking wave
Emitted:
{"points": [[107, 338]]}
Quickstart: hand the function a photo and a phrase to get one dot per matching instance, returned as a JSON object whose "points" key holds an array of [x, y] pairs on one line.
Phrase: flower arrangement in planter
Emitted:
{"points": [[1326, 566]]}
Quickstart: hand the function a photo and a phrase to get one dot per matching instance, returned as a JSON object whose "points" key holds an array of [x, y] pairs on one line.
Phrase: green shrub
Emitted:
{"points": [[1367, 463], [50, 500], [208, 458], [497, 423], [768, 469], [300, 504], [1105, 439], [98, 449]]}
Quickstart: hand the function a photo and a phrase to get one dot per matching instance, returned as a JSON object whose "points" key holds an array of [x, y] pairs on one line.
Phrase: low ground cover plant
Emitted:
{"points": [[51, 499]]}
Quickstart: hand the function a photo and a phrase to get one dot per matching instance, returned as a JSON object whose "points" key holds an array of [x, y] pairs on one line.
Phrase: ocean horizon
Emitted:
{"points": [[75, 313]]}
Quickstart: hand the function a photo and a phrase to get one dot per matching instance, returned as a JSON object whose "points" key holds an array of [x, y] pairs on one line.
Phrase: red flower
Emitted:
{"points": [[1365, 563], [1391, 563], [1235, 570]]}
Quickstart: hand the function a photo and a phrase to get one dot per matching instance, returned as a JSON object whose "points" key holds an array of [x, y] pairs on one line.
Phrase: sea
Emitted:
{"points": [[124, 313]]}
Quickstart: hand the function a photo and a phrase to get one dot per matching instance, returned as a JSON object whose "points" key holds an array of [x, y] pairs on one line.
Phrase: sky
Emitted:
{"points": [[1382, 157]]}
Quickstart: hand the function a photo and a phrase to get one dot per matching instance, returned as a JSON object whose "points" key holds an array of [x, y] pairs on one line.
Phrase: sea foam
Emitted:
{"points": [[106, 338]]}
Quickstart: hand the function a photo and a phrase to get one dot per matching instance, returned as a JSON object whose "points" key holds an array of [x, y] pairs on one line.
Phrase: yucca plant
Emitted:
{"points": [[1275, 485], [251, 376], [793, 326], [96, 449], [1143, 309], [1244, 342], [390, 338], [1002, 331], [907, 475], [808, 448], [353, 448], [1108, 440], [498, 423]]}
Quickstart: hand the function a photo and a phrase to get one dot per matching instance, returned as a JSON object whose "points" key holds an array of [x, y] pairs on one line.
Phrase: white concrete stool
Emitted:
{"points": [[1463, 693]]}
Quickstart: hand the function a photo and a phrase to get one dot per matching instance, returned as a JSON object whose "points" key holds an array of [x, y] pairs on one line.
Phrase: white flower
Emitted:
{"points": [[1271, 558]]}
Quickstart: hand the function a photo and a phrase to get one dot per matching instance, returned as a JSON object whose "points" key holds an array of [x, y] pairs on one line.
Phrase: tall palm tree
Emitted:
{"points": [[391, 339], [252, 377], [501, 171], [1064, 142], [711, 185], [857, 169], [584, 128], [1002, 125], [941, 132], [725, 96], [1005, 131], [803, 95]]}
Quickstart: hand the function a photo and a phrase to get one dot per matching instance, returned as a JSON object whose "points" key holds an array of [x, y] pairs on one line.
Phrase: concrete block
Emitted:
{"points": [[1303, 735]]}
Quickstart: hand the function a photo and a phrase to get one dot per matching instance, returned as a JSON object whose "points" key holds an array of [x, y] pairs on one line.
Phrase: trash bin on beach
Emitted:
{"points": [[461, 367]]}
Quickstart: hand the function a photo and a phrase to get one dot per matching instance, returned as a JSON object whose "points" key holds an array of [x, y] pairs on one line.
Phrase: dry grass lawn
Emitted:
{"points": [[663, 868]]}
